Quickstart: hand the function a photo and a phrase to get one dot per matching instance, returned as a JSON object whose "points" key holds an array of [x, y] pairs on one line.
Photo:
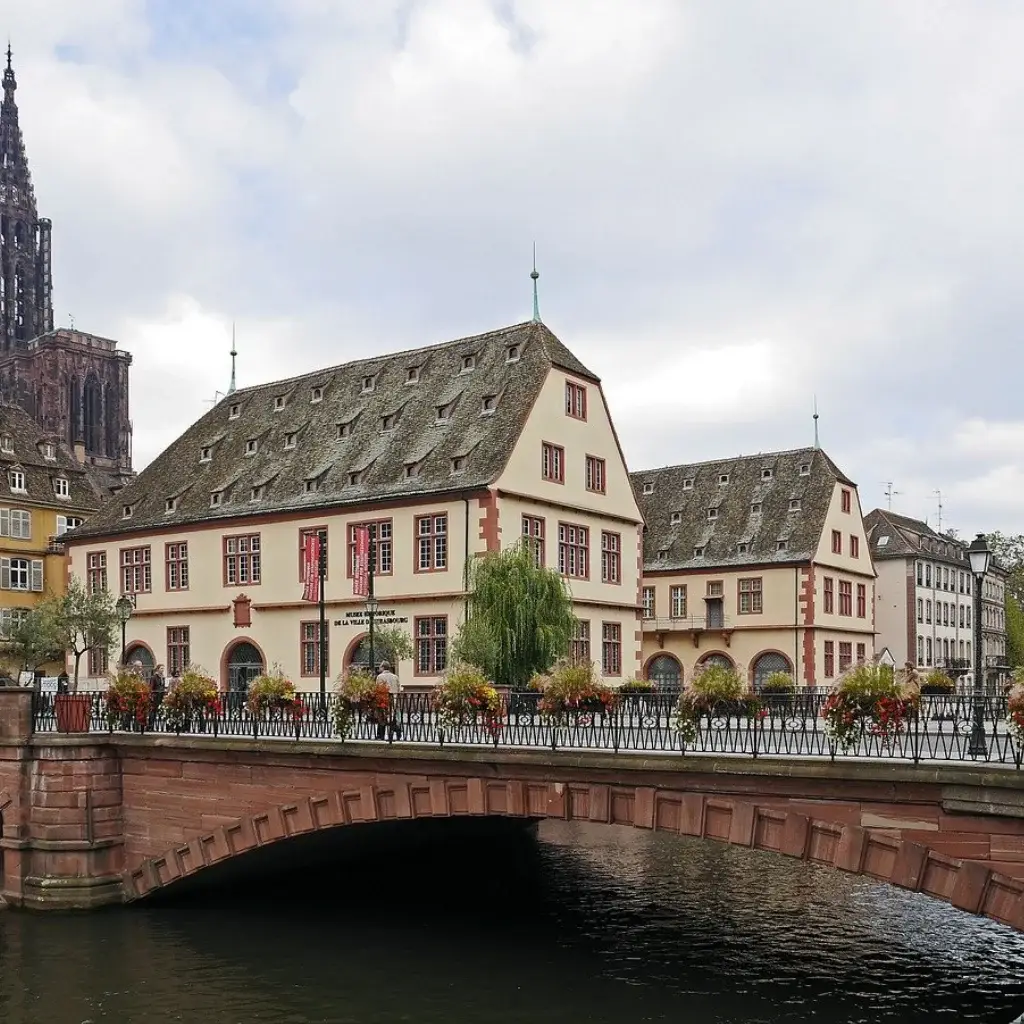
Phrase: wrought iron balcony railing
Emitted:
{"points": [[685, 624]]}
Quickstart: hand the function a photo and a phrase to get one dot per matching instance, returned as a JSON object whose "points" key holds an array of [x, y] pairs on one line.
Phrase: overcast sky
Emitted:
{"points": [[737, 205]]}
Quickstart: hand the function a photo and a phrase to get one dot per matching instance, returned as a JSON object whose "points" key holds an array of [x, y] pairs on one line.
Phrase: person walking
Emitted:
{"points": [[391, 726]]}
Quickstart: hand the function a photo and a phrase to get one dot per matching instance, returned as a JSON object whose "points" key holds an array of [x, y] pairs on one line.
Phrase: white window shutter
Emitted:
{"points": [[62, 525], [26, 525], [5, 522], [37, 574], [5, 574]]}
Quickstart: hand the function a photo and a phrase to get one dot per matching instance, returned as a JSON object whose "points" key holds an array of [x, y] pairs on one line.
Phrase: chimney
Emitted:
{"points": [[79, 449]]}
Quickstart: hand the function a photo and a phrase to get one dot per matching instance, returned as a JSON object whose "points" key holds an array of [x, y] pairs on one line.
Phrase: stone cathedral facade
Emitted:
{"points": [[74, 384]]}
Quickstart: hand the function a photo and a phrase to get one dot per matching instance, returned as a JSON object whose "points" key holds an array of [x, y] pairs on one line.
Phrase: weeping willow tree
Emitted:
{"points": [[519, 617]]}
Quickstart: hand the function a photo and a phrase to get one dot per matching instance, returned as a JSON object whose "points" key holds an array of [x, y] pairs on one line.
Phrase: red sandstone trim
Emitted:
{"points": [[490, 532]]}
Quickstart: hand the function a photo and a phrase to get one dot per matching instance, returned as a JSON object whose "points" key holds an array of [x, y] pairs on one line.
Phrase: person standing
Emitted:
{"points": [[157, 689], [390, 680]]}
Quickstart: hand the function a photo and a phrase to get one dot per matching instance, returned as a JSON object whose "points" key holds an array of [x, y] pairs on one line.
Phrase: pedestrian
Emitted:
{"points": [[157, 689], [391, 724]]}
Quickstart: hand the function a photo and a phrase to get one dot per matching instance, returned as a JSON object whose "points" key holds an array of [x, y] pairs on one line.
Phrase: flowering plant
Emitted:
{"points": [[869, 699], [359, 691], [128, 699], [195, 695], [466, 696], [712, 689], [1015, 714], [274, 693], [574, 688]]}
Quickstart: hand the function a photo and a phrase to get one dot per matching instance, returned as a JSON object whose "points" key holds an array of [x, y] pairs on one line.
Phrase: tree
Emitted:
{"points": [[1008, 550], [1014, 631], [519, 617], [82, 621], [33, 641]]}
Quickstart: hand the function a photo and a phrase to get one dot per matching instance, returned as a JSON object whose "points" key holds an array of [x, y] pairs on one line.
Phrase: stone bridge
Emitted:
{"points": [[94, 819]]}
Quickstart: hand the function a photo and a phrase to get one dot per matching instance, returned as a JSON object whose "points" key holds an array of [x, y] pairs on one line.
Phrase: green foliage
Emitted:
{"points": [[637, 686], [393, 643], [273, 692], [574, 688], [81, 622], [1008, 550], [34, 641], [937, 683], [1014, 631], [466, 696], [195, 695], [128, 700], [715, 683], [779, 683], [519, 621]]}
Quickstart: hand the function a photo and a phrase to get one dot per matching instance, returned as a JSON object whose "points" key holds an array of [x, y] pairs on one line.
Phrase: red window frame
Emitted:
{"points": [[430, 639], [309, 531], [751, 588], [845, 597], [96, 571], [179, 642], [611, 557], [862, 653], [845, 655], [383, 546], [830, 659], [574, 551], [308, 645], [533, 533], [579, 650], [575, 400], [837, 542], [176, 565], [139, 562], [611, 648], [862, 600], [596, 475], [648, 597], [846, 500], [829, 595], [430, 546], [552, 462], [251, 558], [854, 546]]}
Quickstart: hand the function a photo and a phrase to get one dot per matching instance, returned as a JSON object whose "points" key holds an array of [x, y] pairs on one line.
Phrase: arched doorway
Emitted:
{"points": [[245, 663], [767, 663], [716, 658], [665, 672], [137, 652], [360, 656]]}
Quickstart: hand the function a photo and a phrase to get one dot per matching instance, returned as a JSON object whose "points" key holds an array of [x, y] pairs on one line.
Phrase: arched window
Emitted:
{"points": [[381, 652], [136, 652], [245, 664], [716, 659], [92, 415], [767, 663], [665, 672]]}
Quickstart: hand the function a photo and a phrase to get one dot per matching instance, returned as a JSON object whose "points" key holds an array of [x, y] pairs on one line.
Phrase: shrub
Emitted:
{"points": [[779, 684], [937, 683], [128, 699], [574, 688], [1015, 714], [869, 698], [194, 696], [359, 692], [717, 684], [465, 697], [712, 689], [274, 693], [642, 686]]}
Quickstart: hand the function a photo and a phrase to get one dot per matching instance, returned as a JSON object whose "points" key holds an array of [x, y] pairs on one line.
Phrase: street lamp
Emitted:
{"points": [[371, 613], [980, 557], [124, 607]]}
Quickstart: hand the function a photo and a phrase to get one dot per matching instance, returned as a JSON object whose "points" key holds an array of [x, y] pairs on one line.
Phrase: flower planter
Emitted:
{"points": [[73, 711]]}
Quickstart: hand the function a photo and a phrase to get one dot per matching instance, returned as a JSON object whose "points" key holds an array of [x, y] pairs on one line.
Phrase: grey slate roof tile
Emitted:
{"points": [[909, 538]]}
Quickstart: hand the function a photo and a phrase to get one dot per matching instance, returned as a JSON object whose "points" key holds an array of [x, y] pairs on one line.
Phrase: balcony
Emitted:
{"points": [[56, 545], [695, 625]]}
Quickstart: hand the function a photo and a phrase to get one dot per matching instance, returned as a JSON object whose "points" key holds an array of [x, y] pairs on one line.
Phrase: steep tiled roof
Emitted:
{"points": [[752, 510], [429, 420], [895, 536], [22, 449]]}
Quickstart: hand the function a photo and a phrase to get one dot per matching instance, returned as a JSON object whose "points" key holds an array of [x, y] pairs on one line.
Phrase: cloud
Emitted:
{"points": [[738, 206]]}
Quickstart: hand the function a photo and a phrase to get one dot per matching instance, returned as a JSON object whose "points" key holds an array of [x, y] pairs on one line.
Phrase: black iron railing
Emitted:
{"points": [[938, 730]]}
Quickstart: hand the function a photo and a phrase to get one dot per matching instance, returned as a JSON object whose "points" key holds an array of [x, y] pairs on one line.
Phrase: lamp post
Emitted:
{"points": [[321, 644], [371, 613], [124, 607], [980, 557]]}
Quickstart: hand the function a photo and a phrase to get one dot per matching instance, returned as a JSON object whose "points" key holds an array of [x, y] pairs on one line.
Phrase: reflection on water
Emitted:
{"points": [[575, 923]]}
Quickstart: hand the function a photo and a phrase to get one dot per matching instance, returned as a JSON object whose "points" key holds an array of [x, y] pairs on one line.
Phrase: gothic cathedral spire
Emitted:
{"points": [[26, 303]]}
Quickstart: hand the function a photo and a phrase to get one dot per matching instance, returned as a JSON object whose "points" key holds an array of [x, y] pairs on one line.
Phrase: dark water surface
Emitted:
{"points": [[571, 924]]}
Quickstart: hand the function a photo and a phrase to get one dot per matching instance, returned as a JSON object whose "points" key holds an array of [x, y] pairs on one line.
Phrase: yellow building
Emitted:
{"points": [[44, 491], [759, 563]]}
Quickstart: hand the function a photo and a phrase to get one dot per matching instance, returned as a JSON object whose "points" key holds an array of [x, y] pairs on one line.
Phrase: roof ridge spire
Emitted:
{"points": [[534, 275], [234, 353]]}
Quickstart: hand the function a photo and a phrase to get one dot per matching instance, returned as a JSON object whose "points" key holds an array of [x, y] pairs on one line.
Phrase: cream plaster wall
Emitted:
{"points": [[849, 524], [891, 607]]}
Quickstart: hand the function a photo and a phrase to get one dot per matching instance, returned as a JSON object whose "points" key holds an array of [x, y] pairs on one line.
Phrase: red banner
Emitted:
{"points": [[361, 562], [311, 567]]}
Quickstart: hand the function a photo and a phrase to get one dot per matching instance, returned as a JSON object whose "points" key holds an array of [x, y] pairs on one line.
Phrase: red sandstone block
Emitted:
{"points": [[1011, 868], [558, 801], [76, 799], [1007, 848], [438, 798], [795, 834], [599, 801], [477, 803], [741, 830], [976, 823], [643, 807], [910, 863], [691, 814], [971, 883]]}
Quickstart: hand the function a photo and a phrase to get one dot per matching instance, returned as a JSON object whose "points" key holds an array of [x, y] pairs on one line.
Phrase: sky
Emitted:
{"points": [[739, 207]]}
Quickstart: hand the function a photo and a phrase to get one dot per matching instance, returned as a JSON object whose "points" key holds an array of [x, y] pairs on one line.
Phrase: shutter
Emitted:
{"points": [[5, 574], [5, 622], [37, 574], [26, 525], [5, 522], [62, 525]]}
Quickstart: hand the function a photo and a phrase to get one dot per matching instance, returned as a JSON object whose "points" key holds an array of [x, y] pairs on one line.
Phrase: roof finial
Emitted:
{"points": [[816, 421], [9, 54], [535, 275], [231, 386]]}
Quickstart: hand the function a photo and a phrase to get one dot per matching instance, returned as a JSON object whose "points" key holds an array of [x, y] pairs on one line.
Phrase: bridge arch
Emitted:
{"points": [[969, 886]]}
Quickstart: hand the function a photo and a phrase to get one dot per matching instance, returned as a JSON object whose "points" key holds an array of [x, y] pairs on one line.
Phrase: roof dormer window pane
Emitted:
{"points": [[17, 481], [205, 454], [712, 513], [290, 439], [412, 375], [279, 403], [251, 446], [794, 504], [354, 479], [688, 483], [805, 469], [648, 488], [388, 422], [256, 493], [676, 518], [755, 508], [61, 487], [488, 404], [368, 383], [468, 363], [512, 354], [126, 511], [344, 430], [698, 552], [767, 474], [170, 505], [458, 464], [6, 443], [723, 479], [215, 498], [234, 411], [316, 395]]}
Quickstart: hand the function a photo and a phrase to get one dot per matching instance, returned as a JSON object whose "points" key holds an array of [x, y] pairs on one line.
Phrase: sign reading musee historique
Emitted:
{"points": [[382, 617]]}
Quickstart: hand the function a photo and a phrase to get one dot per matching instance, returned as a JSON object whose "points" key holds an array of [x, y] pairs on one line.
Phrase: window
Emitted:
{"points": [[7, 443], [698, 552], [431, 543], [290, 438], [712, 513], [512, 354], [178, 656], [17, 480], [920, 611], [215, 498], [381, 536], [170, 505], [854, 546], [251, 446], [723, 479], [388, 422], [675, 519], [234, 411], [845, 501], [945, 613], [928, 575], [830, 659], [648, 488], [579, 651], [16, 523], [755, 508], [468, 363], [928, 650], [354, 478], [444, 412], [750, 596], [766, 474], [345, 429], [205, 454], [883, 541], [431, 645], [845, 655], [533, 536], [21, 574], [65, 523], [242, 560], [256, 493], [716, 588], [845, 597], [316, 395], [61, 487], [968, 650], [920, 650], [573, 551], [861, 653], [136, 571], [920, 574], [279, 403], [742, 549], [309, 654], [552, 463], [794, 504], [368, 382], [413, 470], [961, 615], [688, 483], [805, 469], [99, 661], [647, 599], [176, 557], [928, 611], [837, 542], [595, 474], [677, 601], [781, 545], [611, 557], [96, 571], [412, 375], [575, 400], [10, 619], [829, 595], [611, 649], [662, 554], [862, 601]]}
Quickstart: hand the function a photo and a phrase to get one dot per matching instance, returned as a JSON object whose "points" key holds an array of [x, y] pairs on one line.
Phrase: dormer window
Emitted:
{"points": [[388, 422], [344, 430], [723, 479], [412, 469], [512, 354], [688, 483], [290, 439], [468, 363], [781, 545], [251, 446], [368, 383], [311, 486], [16, 479], [794, 504], [742, 549], [256, 493], [6, 443], [458, 464], [712, 513], [50, 451], [126, 511], [316, 395], [205, 454], [805, 469], [279, 403], [488, 404], [412, 375], [676, 518], [354, 479], [663, 554], [767, 474], [170, 505], [444, 413], [755, 508], [648, 488], [216, 498], [234, 411], [698, 552], [61, 487]]}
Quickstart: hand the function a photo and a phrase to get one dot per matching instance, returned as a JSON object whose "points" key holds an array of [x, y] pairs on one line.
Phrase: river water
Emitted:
{"points": [[569, 923]]}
